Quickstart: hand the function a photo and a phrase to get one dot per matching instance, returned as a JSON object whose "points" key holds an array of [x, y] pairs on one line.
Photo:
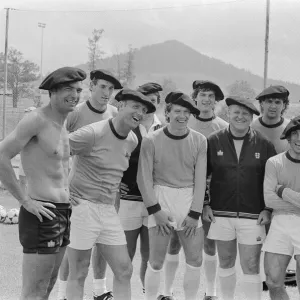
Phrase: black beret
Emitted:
{"points": [[128, 94], [275, 90], [106, 75], [209, 85], [182, 99], [245, 102], [62, 75], [149, 88], [293, 125]]}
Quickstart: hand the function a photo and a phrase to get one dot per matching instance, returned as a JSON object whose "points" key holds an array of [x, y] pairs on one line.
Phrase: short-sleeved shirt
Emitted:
{"points": [[85, 114], [273, 133], [207, 126], [101, 157]]}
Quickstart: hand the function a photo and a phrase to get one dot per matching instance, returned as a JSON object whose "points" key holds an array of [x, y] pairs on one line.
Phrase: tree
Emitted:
{"points": [[168, 86], [128, 69], [95, 52], [241, 88], [20, 73]]}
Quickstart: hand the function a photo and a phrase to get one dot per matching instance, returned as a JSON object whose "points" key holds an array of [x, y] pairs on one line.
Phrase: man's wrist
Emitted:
{"points": [[269, 209], [153, 209], [280, 191], [194, 214]]}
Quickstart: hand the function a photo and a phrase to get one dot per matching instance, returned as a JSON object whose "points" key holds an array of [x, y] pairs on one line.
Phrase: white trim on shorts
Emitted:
{"points": [[93, 223], [176, 202]]}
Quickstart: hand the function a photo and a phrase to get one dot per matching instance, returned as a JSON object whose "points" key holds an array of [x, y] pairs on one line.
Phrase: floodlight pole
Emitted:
{"points": [[266, 44], [5, 76], [42, 26]]}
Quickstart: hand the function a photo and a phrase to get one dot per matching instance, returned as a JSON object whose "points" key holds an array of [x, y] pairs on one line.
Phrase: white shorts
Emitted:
{"points": [[176, 202], [133, 214], [95, 223], [246, 231], [283, 236]]}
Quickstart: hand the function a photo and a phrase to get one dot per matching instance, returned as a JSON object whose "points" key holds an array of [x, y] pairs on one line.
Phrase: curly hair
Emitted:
{"points": [[285, 99], [198, 89], [168, 108]]}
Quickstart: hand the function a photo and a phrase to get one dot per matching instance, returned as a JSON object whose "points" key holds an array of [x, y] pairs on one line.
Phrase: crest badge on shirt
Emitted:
{"points": [[257, 155], [220, 153], [127, 155]]}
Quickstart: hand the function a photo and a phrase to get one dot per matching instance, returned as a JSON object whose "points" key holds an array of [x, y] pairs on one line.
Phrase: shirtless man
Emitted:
{"points": [[44, 224]]}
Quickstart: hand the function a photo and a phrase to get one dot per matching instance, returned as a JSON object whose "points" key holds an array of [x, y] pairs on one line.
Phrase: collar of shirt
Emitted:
{"points": [[143, 130]]}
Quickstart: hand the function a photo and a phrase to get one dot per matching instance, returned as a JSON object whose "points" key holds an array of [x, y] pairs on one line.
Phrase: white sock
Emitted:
{"points": [[252, 286], [227, 278], [152, 282], [191, 282], [62, 289], [99, 286], [210, 271], [170, 268]]}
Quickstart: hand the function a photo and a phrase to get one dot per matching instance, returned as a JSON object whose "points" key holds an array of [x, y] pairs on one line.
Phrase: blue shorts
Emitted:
{"points": [[45, 237]]}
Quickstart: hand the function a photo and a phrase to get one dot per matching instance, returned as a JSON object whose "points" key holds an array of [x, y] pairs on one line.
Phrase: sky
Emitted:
{"points": [[230, 30]]}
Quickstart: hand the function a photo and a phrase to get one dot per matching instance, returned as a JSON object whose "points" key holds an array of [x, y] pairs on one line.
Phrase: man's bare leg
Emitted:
{"points": [[297, 258], [193, 247], [99, 268], [158, 245], [39, 274], [275, 269], [227, 251], [79, 262], [145, 251], [171, 263], [63, 278], [119, 261], [131, 238], [250, 263]]}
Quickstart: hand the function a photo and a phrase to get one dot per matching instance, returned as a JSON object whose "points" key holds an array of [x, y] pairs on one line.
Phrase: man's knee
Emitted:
{"points": [[174, 246], [124, 271], [274, 282], [157, 264], [79, 269], [209, 247], [251, 266], [227, 261]]}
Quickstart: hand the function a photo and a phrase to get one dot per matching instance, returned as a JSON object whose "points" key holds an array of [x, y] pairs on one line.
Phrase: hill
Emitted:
{"points": [[182, 64]]}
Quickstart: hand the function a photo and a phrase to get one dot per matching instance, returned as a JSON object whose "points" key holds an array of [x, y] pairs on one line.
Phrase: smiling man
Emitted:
{"points": [[237, 212], [273, 103], [44, 224], [282, 194], [171, 178], [133, 214], [102, 151], [102, 85]]}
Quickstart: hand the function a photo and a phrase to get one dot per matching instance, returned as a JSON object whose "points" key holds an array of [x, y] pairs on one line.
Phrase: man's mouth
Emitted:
{"points": [[73, 102]]}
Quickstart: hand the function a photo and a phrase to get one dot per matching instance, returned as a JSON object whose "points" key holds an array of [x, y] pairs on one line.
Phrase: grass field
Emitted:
{"points": [[11, 261]]}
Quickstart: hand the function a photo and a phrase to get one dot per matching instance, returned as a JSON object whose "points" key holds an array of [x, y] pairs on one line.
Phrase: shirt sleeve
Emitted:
{"points": [[291, 196], [82, 140], [272, 200], [145, 172], [200, 178]]}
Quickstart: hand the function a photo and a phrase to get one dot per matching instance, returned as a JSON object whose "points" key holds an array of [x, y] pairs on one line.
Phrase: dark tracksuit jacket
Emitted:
{"points": [[129, 176], [236, 187]]}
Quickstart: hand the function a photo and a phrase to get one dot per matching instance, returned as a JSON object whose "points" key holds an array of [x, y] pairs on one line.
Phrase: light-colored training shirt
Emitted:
{"points": [[173, 161], [282, 169], [85, 114], [101, 157], [273, 133], [206, 127]]}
